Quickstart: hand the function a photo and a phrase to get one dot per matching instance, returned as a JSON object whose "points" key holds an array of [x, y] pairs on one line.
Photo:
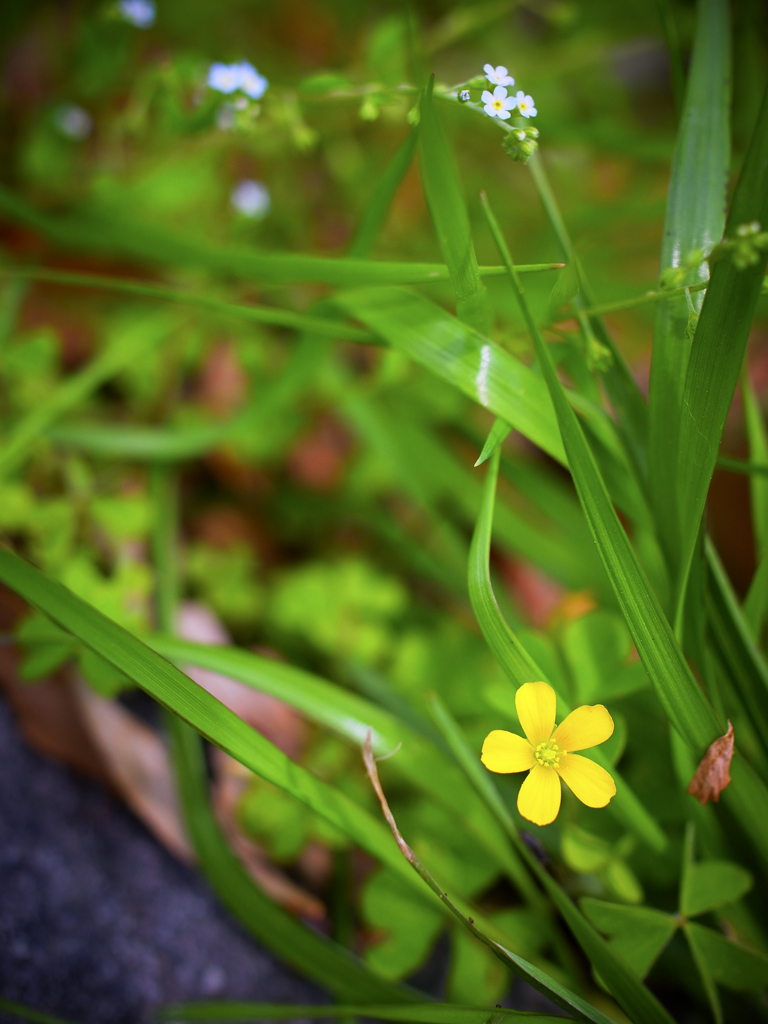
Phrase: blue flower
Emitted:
{"points": [[251, 199], [224, 77], [251, 82], [229, 78], [139, 13]]}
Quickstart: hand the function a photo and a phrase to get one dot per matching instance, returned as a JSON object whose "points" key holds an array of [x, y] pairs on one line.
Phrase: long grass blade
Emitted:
{"points": [[695, 219], [684, 703], [717, 352], [175, 691], [351, 716], [442, 189], [428, 1013], [94, 230]]}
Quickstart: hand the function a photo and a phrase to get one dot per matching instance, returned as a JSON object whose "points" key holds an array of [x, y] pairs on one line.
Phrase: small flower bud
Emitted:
{"points": [[464, 96], [521, 143]]}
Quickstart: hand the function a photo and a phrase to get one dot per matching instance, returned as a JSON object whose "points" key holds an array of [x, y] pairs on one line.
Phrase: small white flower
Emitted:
{"points": [[497, 104], [251, 82], [251, 198], [464, 95], [525, 104], [73, 121], [139, 13], [498, 76], [224, 77]]}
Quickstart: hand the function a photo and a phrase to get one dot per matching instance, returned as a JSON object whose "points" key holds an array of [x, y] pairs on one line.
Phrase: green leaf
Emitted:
{"points": [[314, 956], [522, 668], [500, 431], [756, 602], [565, 288], [718, 348], [637, 934], [446, 204], [350, 716], [725, 962], [378, 205], [130, 344], [597, 647], [213, 720], [27, 1013], [94, 230], [730, 636], [695, 220], [711, 884], [238, 311], [684, 703], [627, 402], [429, 1013], [460, 355], [410, 926]]}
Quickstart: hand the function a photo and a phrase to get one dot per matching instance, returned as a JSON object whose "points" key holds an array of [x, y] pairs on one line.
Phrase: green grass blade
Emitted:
{"points": [[672, 36], [624, 985], [94, 230], [499, 433], [521, 667], [378, 206], [133, 345], [741, 658], [695, 219], [756, 601], [717, 352], [627, 402], [440, 181], [460, 355], [144, 444], [314, 956], [239, 311], [27, 1013], [684, 703], [350, 716], [427, 1013], [175, 691]]}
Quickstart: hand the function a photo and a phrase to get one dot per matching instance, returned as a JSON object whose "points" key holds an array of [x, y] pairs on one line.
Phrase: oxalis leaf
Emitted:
{"points": [[429, 1013], [684, 703]]}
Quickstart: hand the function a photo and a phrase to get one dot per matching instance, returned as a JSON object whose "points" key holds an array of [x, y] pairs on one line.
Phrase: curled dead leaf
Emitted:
{"points": [[713, 774]]}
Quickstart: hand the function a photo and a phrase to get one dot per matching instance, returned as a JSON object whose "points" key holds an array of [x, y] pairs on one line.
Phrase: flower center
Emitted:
{"points": [[547, 753], [523, 105], [497, 104]]}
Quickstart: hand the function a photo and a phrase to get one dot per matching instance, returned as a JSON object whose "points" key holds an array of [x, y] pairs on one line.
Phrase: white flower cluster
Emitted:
{"points": [[498, 103], [241, 77]]}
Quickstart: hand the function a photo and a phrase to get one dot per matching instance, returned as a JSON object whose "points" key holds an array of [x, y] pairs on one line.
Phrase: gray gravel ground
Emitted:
{"points": [[98, 923]]}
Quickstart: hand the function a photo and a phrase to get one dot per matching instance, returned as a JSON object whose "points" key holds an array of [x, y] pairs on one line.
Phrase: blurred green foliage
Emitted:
{"points": [[330, 520]]}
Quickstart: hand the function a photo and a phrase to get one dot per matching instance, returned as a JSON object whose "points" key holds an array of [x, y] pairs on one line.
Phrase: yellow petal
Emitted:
{"points": [[535, 703], [585, 727], [539, 796], [505, 752], [588, 781]]}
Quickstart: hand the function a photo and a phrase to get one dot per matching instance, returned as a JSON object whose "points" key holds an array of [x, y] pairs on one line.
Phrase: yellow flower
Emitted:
{"points": [[547, 753]]}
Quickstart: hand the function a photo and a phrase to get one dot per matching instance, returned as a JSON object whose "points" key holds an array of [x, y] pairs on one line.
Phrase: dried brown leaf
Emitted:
{"points": [[713, 774], [138, 766]]}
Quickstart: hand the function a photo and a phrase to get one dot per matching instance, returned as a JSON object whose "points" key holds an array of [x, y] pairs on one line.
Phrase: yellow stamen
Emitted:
{"points": [[547, 754]]}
